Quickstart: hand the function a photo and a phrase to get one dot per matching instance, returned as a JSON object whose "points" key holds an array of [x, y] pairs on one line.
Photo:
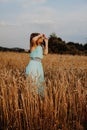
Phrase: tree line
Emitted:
{"points": [[15, 49], [57, 45]]}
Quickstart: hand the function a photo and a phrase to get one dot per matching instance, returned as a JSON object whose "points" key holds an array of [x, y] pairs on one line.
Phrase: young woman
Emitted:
{"points": [[38, 48]]}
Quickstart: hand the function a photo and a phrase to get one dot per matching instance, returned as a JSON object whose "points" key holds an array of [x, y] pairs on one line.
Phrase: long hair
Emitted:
{"points": [[31, 37]]}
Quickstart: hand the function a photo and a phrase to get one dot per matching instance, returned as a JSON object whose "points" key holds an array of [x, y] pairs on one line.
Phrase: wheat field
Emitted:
{"points": [[64, 106]]}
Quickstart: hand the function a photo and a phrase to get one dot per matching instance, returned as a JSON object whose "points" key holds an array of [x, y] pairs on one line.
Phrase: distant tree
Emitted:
{"points": [[72, 48], [56, 44], [78, 46], [85, 46], [85, 49], [53, 35], [59, 39], [52, 43]]}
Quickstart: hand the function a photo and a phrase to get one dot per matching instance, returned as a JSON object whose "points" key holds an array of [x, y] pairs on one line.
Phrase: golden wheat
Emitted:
{"points": [[64, 106]]}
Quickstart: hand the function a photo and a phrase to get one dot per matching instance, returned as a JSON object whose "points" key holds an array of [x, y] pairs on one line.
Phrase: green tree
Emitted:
{"points": [[56, 44]]}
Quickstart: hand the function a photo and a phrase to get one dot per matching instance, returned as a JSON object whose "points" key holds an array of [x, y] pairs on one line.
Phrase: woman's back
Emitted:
{"points": [[37, 52]]}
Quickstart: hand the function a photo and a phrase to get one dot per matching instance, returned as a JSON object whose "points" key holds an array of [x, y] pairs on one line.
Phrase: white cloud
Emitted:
{"points": [[36, 15], [34, 1], [43, 21], [43, 15], [7, 24], [39, 1], [5, 1], [28, 3], [24, 1]]}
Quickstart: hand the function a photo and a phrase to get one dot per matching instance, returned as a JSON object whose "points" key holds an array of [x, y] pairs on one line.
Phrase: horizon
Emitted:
{"points": [[19, 18]]}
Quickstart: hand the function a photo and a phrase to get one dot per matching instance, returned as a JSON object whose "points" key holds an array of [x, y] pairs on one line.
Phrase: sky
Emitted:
{"points": [[19, 18]]}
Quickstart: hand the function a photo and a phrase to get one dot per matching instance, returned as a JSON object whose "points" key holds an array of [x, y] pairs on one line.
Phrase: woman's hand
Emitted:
{"points": [[46, 45], [46, 40]]}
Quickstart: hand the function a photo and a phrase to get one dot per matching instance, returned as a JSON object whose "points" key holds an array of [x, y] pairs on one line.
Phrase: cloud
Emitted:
{"points": [[28, 3], [7, 24], [38, 1], [5, 1], [43, 21], [34, 1], [43, 15], [24, 1], [22, 17]]}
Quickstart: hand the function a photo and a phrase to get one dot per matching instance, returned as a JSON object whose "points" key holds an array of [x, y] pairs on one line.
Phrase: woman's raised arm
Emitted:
{"points": [[45, 48]]}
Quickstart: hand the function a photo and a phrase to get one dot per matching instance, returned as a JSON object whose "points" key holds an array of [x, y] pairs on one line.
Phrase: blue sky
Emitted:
{"points": [[19, 18]]}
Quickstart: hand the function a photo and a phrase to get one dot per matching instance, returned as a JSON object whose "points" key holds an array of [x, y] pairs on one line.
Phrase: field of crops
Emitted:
{"points": [[64, 106]]}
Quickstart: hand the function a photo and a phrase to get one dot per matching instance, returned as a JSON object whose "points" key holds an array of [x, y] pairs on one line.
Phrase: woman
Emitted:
{"points": [[38, 47]]}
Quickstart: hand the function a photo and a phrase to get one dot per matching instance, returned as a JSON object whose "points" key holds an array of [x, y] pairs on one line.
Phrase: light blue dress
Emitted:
{"points": [[34, 69]]}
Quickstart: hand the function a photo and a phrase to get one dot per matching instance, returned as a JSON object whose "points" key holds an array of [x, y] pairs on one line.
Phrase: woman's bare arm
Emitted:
{"points": [[37, 37], [45, 48]]}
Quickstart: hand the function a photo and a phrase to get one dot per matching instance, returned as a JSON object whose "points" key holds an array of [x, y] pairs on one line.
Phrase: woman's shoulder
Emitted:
{"points": [[39, 47]]}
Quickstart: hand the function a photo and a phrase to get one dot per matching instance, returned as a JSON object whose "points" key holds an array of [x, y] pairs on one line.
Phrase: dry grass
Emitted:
{"points": [[64, 106]]}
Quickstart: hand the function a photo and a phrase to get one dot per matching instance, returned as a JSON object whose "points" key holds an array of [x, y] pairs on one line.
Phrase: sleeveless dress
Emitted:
{"points": [[34, 70]]}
